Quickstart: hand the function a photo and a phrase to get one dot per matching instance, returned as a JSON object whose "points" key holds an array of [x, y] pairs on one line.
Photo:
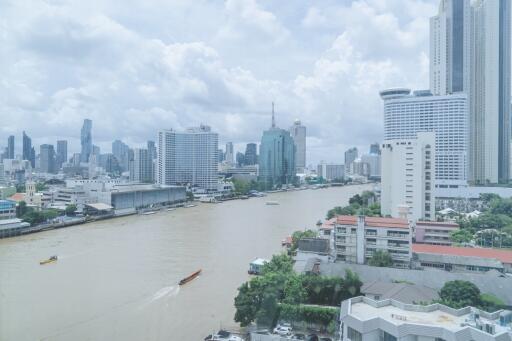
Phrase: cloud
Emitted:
{"points": [[177, 64]]}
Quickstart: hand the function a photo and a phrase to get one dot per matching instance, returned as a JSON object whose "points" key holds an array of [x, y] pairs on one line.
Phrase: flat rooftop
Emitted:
{"points": [[373, 221], [505, 256]]}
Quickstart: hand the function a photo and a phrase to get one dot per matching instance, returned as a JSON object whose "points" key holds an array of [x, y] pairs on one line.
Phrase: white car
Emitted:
{"points": [[283, 330]]}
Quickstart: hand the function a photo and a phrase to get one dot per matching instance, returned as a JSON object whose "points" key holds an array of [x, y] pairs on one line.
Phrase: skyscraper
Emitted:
{"points": [[86, 140], [28, 151], [490, 92], [140, 166], [47, 159], [62, 152], [350, 155], [407, 114], [251, 154], [121, 153], [152, 150], [450, 43], [298, 132], [277, 156], [375, 148], [229, 153], [188, 157], [10, 147]]}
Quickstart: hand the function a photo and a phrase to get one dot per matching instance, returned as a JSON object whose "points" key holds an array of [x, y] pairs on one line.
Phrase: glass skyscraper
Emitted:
{"points": [[86, 140]]}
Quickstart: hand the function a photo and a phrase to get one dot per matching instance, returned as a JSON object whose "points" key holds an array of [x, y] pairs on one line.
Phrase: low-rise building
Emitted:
{"points": [[364, 319], [358, 237], [402, 292], [434, 232], [7, 209], [461, 259], [12, 227]]}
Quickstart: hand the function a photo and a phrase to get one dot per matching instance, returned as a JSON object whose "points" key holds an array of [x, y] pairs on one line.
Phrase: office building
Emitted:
{"points": [[240, 159], [373, 162], [86, 140], [251, 154], [152, 150], [47, 159], [356, 239], [375, 148], [188, 158], [29, 152], [363, 319], [141, 166], [490, 92], [277, 156], [229, 156], [330, 172], [407, 186], [350, 156], [10, 147], [298, 132], [96, 150], [450, 42], [62, 152], [122, 153], [407, 114]]}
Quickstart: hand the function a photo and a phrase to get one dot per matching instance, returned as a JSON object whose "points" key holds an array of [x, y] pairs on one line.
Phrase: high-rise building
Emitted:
{"points": [[405, 115], [251, 154], [490, 91], [152, 150], [350, 156], [141, 166], [407, 186], [229, 156], [96, 150], [330, 171], [277, 156], [10, 147], [86, 140], [121, 153], [28, 151], [450, 43], [298, 132], [47, 159], [375, 148], [188, 157], [240, 159], [373, 162], [62, 152]]}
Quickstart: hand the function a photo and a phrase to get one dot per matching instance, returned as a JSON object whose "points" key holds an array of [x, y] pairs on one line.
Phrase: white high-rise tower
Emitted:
{"points": [[298, 132]]}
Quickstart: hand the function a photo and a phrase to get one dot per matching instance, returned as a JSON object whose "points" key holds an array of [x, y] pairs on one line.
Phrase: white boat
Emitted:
{"points": [[210, 200], [171, 209], [191, 205], [149, 213], [272, 203]]}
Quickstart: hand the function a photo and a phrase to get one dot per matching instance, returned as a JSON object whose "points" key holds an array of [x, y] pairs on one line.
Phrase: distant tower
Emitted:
{"points": [[86, 140], [298, 132], [273, 117]]}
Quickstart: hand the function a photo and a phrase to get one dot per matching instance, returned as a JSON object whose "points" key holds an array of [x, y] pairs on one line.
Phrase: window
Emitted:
{"points": [[386, 337], [354, 335]]}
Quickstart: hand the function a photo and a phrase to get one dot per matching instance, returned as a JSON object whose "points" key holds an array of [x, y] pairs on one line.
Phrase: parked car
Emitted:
{"points": [[283, 330]]}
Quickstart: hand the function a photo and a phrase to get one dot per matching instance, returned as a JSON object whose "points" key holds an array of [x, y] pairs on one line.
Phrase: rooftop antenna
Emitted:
{"points": [[273, 117]]}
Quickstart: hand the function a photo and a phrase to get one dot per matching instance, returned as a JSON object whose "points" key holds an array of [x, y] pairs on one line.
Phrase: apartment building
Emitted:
{"points": [[434, 232], [363, 319], [356, 239]]}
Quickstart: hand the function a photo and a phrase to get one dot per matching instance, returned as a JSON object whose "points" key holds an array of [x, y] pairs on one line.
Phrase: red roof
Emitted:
{"points": [[438, 223], [502, 255], [374, 221], [17, 197]]}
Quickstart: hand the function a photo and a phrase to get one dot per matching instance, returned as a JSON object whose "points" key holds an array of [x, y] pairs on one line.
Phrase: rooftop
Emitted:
{"points": [[504, 256], [374, 221], [403, 292]]}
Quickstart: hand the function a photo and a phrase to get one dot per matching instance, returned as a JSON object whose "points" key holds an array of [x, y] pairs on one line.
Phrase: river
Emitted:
{"points": [[117, 279]]}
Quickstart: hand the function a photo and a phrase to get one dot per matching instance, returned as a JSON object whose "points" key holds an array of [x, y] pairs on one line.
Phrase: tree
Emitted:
{"points": [[461, 236], [278, 264], [459, 294], [70, 209], [356, 199], [241, 187], [21, 209], [381, 258], [41, 186], [298, 235]]}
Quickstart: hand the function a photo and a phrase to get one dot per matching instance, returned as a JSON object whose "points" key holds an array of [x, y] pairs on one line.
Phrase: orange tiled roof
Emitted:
{"points": [[374, 221], [17, 197], [502, 255]]}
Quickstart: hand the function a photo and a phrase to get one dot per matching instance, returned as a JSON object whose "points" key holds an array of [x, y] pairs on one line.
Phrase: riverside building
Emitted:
{"points": [[357, 238], [188, 158], [407, 186]]}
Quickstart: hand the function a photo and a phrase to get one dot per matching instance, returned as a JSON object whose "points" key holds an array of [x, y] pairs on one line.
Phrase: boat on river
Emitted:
{"points": [[191, 205], [149, 213], [49, 260], [190, 277], [272, 203]]}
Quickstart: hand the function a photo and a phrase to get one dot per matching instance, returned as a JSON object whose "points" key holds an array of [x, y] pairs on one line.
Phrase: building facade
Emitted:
{"points": [[29, 152], [298, 132], [86, 140], [434, 232], [62, 152], [188, 158], [141, 166], [251, 154], [10, 147], [47, 163], [490, 91], [277, 157], [374, 165], [230, 153], [356, 239], [406, 115], [350, 156], [407, 186], [330, 171]]}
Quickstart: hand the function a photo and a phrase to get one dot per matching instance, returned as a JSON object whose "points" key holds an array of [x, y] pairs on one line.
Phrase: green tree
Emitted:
{"points": [[459, 294], [461, 236], [21, 209], [278, 264], [41, 186], [356, 199], [70, 209], [241, 187], [352, 284], [294, 292], [381, 258]]}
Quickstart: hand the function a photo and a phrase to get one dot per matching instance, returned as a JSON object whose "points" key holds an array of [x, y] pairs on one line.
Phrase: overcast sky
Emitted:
{"points": [[134, 67]]}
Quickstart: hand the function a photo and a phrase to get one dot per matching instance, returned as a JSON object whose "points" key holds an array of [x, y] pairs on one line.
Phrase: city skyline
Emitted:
{"points": [[310, 86]]}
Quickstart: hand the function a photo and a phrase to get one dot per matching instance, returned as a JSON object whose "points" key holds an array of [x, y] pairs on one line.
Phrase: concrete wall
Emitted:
{"points": [[138, 199], [487, 283]]}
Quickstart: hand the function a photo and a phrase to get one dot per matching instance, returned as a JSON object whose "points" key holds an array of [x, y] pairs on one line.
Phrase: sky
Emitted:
{"points": [[135, 67]]}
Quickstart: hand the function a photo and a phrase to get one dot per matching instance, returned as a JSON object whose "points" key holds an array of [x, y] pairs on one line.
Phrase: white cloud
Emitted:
{"points": [[134, 71]]}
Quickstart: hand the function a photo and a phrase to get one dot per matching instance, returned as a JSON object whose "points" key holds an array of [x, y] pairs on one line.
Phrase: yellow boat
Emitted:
{"points": [[49, 260]]}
